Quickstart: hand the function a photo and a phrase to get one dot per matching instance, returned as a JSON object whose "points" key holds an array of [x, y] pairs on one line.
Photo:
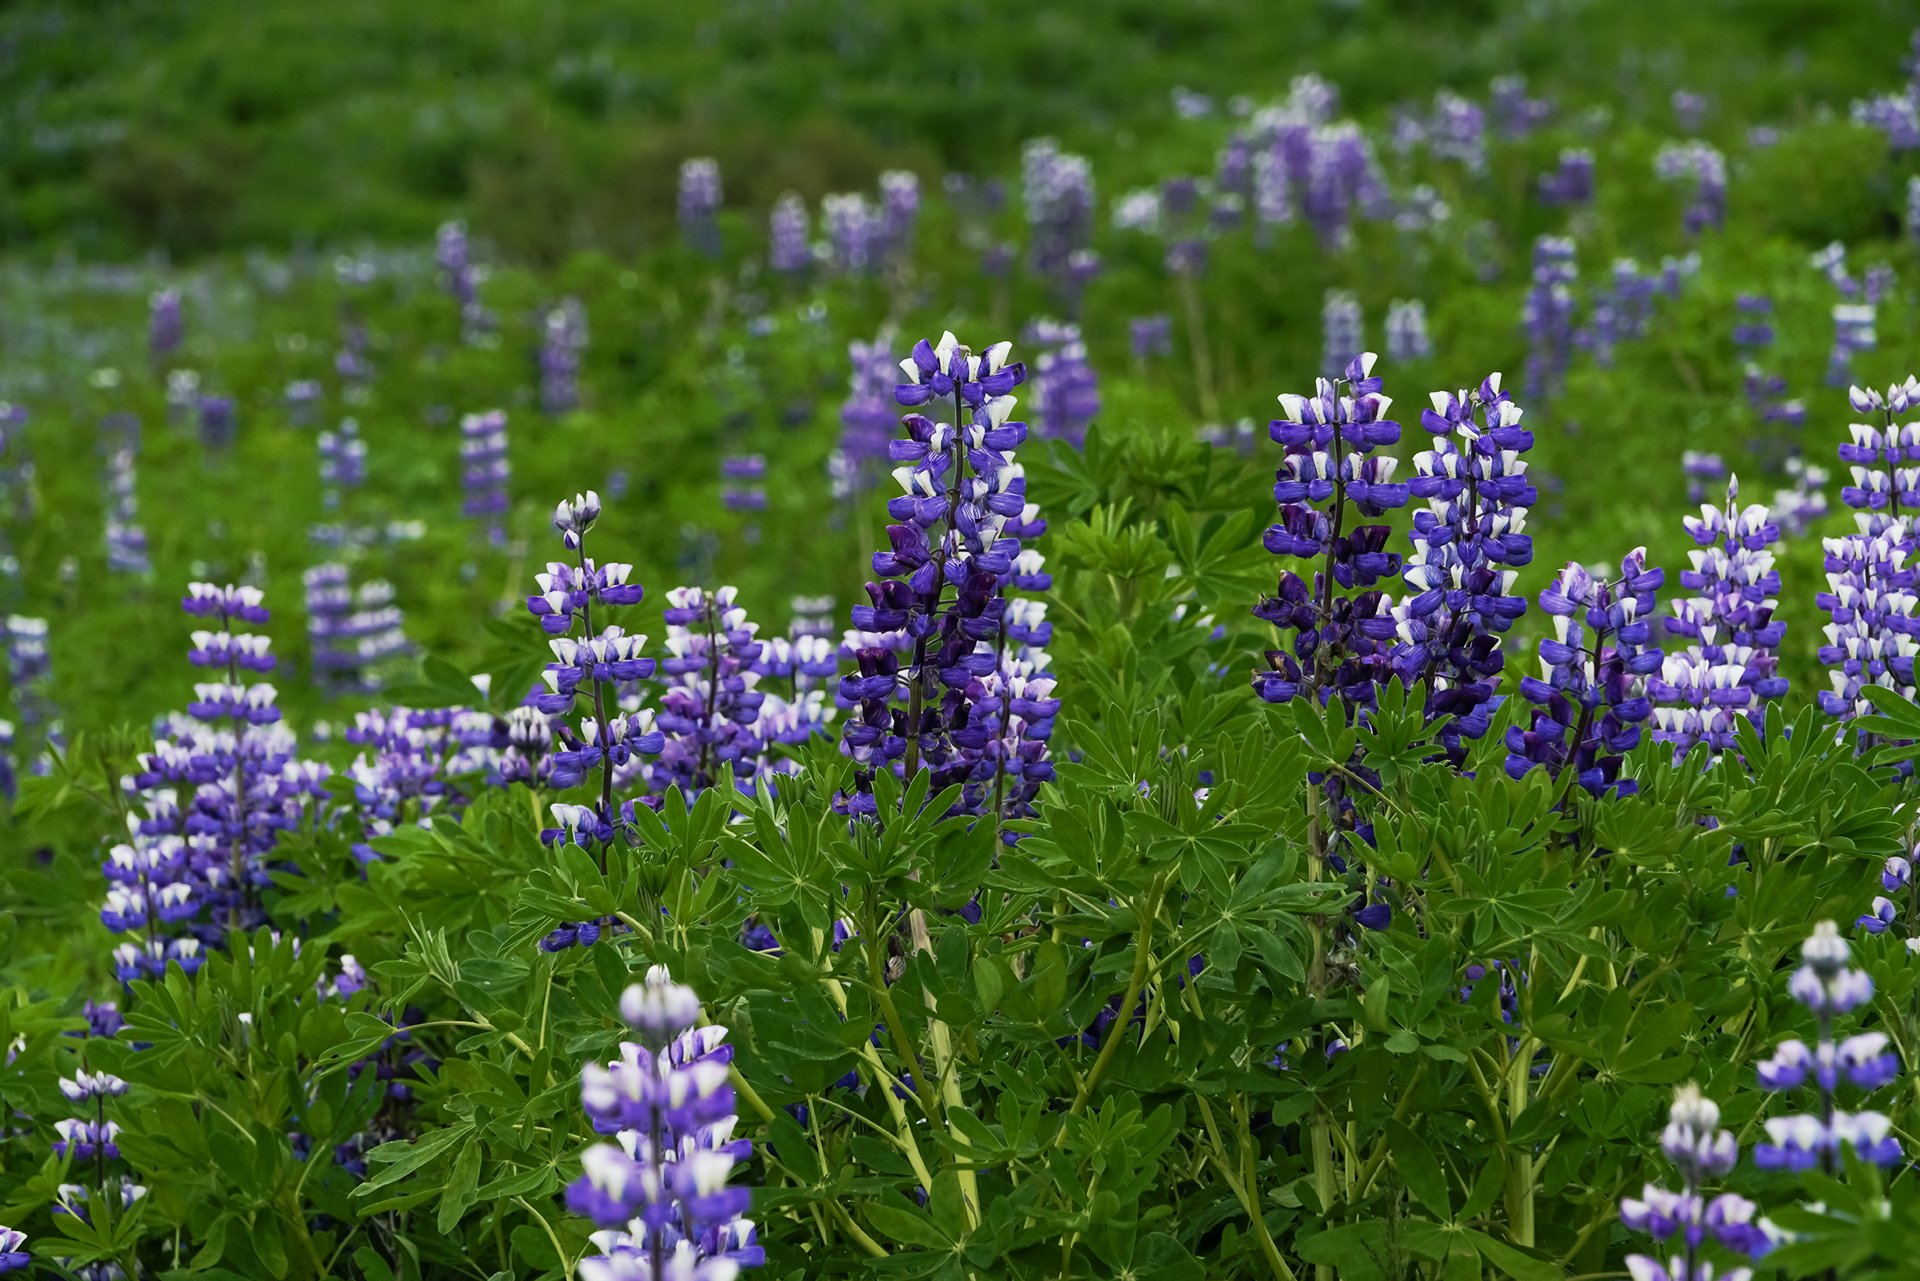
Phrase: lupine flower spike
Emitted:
{"points": [[594, 665], [1329, 477], [1468, 545], [1828, 986], [659, 1193], [961, 519], [1700, 1152], [1590, 698], [1728, 669]]}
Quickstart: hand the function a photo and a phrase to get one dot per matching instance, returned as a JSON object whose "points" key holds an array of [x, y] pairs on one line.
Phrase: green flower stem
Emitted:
{"points": [[1142, 942], [949, 1089]]}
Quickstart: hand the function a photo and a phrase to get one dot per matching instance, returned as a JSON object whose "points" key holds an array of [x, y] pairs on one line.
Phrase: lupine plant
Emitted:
{"points": [[1029, 941]]}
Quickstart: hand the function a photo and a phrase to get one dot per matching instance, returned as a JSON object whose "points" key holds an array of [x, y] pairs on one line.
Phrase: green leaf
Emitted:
{"points": [[906, 1227], [1419, 1170], [1513, 1262], [463, 1181]]}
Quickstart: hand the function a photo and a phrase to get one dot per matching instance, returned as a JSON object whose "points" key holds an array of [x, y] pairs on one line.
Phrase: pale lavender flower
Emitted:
{"points": [[789, 249], [1342, 333], [700, 199], [1407, 338]]}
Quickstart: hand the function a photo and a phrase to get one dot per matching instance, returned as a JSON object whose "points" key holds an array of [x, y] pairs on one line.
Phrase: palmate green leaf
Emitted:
{"points": [[463, 1182], [904, 1227], [399, 1159], [1510, 1261]]}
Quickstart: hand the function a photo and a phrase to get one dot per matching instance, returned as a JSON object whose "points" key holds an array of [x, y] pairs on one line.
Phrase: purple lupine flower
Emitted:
{"points": [[1329, 438], [866, 416], [461, 279], [29, 674], [1065, 391], [350, 361], [1191, 105], [1458, 131], [405, 772], [1831, 262], [1014, 714], [1883, 457], [1150, 336], [1548, 317], [89, 1139], [1913, 208], [13, 1250], [899, 210], [1407, 338], [1468, 545], [165, 326], [1886, 914], [1676, 271], [1701, 164], [1827, 984], [799, 674], [812, 616], [354, 632], [1797, 508], [218, 788], [1341, 174], [1870, 597], [1870, 575], [743, 478], [126, 537], [855, 231], [303, 401], [700, 204], [659, 1192], [961, 519], [1689, 110], [343, 462], [1422, 209], [1590, 698], [183, 396], [1515, 114], [1700, 1151], [1704, 473], [16, 477], [1853, 330], [597, 664], [563, 337], [1057, 191], [1895, 114], [1571, 182], [711, 710], [216, 415], [1620, 311], [789, 248], [1753, 321], [1729, 668], [1342, 333], [484, 471]]}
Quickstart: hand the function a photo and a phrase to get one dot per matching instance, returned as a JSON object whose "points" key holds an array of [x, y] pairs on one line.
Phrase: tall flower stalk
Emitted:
{"points": [[1331, 477], [941, 584], [1729, 669], [1700, 1152], [660, 1192], [591, 666], [1468, 545], [1590, 700], [1830, 988]]}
